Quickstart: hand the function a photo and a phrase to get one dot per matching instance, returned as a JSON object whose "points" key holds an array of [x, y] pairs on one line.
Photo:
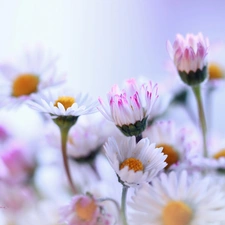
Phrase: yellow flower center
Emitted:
{"points": [[66, 101], [172, 155], [177, 213], [133, 164], [85, 211], [215, 71], [25, 84], [219, 154]]}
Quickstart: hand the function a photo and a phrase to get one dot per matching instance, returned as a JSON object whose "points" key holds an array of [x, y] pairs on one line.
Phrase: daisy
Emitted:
{"points": [[130, 108], [189, 56], [216, 67], [134, 163], [64, 108], [179, 144], [84, 210], [176, 199], [30, 73], [63, 104], [216, 155]]}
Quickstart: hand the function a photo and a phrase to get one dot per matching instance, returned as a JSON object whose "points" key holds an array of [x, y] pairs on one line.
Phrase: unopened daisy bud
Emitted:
{"points": [[130, 108], [188, 55]]}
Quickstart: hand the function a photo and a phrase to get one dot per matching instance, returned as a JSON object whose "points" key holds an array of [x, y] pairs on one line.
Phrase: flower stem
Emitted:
{"points": [[197, 92], [123, 205], [64, 136]]}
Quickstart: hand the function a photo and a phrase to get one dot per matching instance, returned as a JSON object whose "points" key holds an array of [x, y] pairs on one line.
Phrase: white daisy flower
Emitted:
{"points": [[134, 163], [63, 104], [30, 73], [129, 108], [179, 144], [176, 199]]}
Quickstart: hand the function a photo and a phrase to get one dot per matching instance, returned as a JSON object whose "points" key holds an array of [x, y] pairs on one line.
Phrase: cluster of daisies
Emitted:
{"points": [[143, 155]]}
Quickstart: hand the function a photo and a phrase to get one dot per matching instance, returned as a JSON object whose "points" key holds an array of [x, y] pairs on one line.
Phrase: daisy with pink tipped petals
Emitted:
{"points": [[130, 107], [189, 56], [134, 163]]}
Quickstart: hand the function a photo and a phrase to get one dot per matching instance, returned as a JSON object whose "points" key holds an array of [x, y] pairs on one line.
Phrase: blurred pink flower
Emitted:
{"points": [[18, 162], [84, 210]]}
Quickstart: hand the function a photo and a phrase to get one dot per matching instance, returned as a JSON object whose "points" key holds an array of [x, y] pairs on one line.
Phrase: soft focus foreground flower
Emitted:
{"points": [[84, 210], [134, 163], [63, 104], [86, 138], [176, 199], [129, 108], [31, 73], [188, 55]]}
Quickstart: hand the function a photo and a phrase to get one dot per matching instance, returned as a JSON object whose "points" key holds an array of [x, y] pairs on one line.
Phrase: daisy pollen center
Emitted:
{"points": [[172, 155], [66, 101], [177, 213], [25, 84], [219, 154], [85, 211], [215, 71], [133, 164]]}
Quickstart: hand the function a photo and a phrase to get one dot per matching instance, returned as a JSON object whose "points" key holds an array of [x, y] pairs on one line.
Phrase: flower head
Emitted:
{"points": [[63, 104], [188, 54], [129, 108], [84, 210], [176, 199], [134, 163], [29, 74], [177, 142]]}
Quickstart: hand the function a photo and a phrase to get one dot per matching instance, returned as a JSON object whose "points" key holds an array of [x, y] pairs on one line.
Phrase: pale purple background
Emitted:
{"points": [[103, 42]]}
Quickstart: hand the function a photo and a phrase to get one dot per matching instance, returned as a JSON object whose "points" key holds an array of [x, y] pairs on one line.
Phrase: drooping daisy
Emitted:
{"points": [[130, 108], [177, 142], [84, 210], [29, 74], [176, 199], [134, 163], [189, 56]]}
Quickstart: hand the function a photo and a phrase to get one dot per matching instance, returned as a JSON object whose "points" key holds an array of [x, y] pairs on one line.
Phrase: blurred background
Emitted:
{"points": [[103, 42]]}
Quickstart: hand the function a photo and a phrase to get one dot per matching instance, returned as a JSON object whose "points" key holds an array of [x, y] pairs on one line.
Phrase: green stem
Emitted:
{"points": [[123, 205], [197, 93], [64, 137]]}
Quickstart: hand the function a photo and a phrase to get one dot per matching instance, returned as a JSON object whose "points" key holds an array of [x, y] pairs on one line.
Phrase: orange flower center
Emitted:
{"points": [[177, 213], [133, 164], [25, 84], [85, 211], [66, 101], [172, 155], [219, 154], [215, 71]]}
